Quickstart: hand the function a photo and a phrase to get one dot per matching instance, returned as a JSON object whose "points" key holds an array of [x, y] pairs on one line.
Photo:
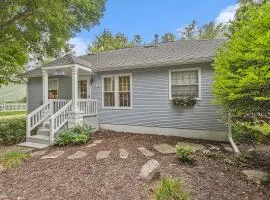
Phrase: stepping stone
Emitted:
{"points": [[102, 155], [258, 176], [145, 152], [165, 148], [150, 171], [55, 154], [78, 154], [195, 147], [123, 153], [97, 141], [91, 145], [38, 153]]}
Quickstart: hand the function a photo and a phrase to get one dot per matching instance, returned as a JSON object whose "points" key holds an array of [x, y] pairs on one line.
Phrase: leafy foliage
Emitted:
{"points": [[185, 102], [41, 29], [171, 189], [107, 41], [168, 37], [242, 66], [185, 152], [77, 135], [13, 159], [137, 40], [12, 131]]}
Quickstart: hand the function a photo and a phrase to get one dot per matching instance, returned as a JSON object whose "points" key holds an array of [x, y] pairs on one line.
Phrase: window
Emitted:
{"points": [[53, 89], [83, 89], [185, 83], [117, 91]]}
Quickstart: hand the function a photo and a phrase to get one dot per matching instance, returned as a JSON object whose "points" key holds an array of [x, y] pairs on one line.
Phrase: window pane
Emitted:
{"points": [[52, 89], [83, 89], [124, 91], [108, 84], [108, 99]]}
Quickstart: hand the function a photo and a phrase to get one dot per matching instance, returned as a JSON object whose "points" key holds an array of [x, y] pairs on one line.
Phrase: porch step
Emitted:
{"points": [[40, 139], [33, 145], [43, 131]]}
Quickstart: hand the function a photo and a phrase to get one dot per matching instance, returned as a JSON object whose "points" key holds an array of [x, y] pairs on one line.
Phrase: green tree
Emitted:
{"points": [[137, 40], [242, 66], [168, 37], [107, 41], [212, 31], [41, 29], [190, 32]]}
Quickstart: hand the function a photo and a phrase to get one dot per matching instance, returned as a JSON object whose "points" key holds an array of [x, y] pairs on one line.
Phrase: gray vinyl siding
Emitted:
{"points": [[151, 106], [35, 93]]}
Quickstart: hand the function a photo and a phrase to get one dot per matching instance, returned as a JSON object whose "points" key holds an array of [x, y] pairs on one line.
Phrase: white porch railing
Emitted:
{"points": [[58, 119], [14, 106], [37, 116], [58, 104], [88, 106]]}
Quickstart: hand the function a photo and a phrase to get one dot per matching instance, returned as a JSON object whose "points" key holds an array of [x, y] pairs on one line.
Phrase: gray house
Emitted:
{"points": [[128, 90]]}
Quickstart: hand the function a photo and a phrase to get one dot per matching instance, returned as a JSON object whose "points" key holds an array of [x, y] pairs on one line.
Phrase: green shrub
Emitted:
{"points": [[77, 135], [171, 189], [12, 131], [251, 134], [185, 152], [13, 159]]}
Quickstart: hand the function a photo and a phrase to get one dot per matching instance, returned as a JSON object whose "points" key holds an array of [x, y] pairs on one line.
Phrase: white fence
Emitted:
{"points": [[14, 106]]}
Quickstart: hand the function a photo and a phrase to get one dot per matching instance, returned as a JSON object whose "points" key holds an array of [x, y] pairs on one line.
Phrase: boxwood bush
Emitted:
{"points": [[76, 135], [12, 131]]}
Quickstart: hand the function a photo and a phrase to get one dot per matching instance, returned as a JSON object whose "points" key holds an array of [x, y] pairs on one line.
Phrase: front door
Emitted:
{"points": [[84, 92]]}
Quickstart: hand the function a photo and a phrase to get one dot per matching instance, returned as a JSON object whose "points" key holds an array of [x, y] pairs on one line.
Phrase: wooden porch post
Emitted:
{"points": [[45, 85], [75, 88]]}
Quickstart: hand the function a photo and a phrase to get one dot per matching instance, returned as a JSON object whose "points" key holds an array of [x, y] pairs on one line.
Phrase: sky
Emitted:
{"points": [[150, 17]]}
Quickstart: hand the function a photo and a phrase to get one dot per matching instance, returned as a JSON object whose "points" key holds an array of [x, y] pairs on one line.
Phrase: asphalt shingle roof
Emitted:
{"points": [[164, 54]]}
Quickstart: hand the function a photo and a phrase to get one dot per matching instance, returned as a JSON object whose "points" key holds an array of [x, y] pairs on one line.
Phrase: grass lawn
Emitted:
{"points": [[11, 114], [117, 178]]}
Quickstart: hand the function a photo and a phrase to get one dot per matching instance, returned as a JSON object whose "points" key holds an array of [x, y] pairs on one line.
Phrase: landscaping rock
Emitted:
{"points": [[145, 152], [102, 155], [97, 141], [91, 145], [53, 155], [78, 154], [150, 171], [214, 147], [165, 149], [38, 153], [258, 176], [229, 149], [1, 168], [123, 153], [195, 147]]}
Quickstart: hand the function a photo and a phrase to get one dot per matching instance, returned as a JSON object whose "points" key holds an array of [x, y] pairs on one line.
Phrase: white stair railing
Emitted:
{"points": [[58, 119], [37, 116], [88, 106], [58, 104]]}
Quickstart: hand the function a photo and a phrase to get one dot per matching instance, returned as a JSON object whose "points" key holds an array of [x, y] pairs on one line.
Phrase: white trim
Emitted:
{"points": [[115, 76], [68, 66], [186, 69], [186, 133]]}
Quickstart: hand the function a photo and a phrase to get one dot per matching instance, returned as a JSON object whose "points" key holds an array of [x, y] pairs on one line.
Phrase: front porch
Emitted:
{"points": [[54, 114]]}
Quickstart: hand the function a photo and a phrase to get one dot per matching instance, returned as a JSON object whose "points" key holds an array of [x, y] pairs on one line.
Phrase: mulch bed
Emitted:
{"points": [[116, 178]]}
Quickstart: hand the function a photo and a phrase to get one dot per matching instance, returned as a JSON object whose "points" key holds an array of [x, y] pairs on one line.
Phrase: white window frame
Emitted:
{"points": [[57, 83], [116, 91], [181, 70]]}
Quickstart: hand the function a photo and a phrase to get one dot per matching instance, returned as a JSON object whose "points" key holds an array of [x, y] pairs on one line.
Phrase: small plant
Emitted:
{"points": [[76, 135], [13, 159], [185, 102], [171, 189], [184, 152]]}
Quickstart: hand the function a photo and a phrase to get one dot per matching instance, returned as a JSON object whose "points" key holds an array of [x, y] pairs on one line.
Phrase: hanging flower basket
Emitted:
{"points": [[184, 102]]}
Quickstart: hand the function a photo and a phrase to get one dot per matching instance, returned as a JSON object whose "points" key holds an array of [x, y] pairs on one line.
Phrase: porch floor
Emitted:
{"points": [[115, 177]]}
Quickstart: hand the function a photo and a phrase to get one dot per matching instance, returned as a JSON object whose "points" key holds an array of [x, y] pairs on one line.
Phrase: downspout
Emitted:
{"points": [[236, 150]]}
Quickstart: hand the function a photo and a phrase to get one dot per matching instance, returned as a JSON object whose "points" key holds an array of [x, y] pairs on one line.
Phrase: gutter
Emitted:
{"points": [[235, 148]]}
